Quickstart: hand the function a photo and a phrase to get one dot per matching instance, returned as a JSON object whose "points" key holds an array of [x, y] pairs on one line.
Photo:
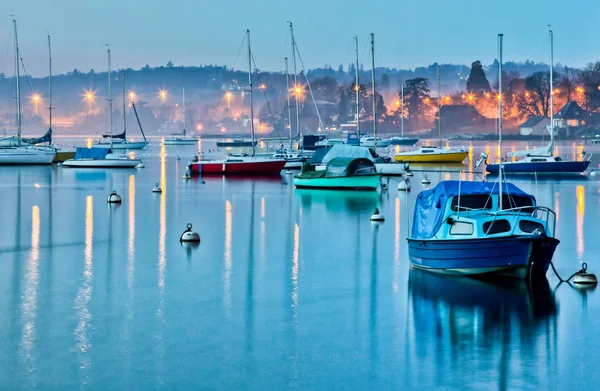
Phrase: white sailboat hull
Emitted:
{"points": [[102, 163], [26, 156], [123, 145]]}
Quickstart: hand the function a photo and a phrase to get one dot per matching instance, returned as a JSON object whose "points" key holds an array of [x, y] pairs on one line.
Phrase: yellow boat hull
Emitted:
{"points": [[446, 157]]}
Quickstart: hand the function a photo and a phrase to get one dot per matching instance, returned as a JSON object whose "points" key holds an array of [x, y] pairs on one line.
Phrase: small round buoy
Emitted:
{"points": [[426, 180], [288, 172], [114, 198], [409, 173], [377, 216], [140, 165], [203, 181], [187, 175], [583, 277], [189, 236], [156, 188], [178, 158], [384, 187], [404, 186], [592, 173]]}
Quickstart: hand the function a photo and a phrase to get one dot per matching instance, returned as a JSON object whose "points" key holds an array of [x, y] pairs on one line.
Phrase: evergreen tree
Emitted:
{"points": [[477, 80], [415, 92], [342, 107]]}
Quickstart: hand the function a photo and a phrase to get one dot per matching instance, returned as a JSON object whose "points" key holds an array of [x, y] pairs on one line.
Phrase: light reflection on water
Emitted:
{"points": [[335, 306]]}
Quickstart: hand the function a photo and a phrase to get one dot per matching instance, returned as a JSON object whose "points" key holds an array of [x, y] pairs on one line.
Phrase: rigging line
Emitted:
{"points": [[28, 76], [266, 99], [6, 45], [348, 51], [309, 88], [238, 53]]}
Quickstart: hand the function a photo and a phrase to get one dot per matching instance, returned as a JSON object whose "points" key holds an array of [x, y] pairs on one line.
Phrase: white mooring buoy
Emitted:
{"points": [[377, 216], [189, 236], [384, 186], [426, 180], [156, 188], [404, 186], [408, 173], [592, 173], [114, 198], [583, 277], [187, 174], [140, 165], [288, 172]]}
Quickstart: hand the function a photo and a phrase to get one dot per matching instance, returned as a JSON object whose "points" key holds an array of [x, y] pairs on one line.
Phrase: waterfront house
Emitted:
{"points": [[535, 126]]}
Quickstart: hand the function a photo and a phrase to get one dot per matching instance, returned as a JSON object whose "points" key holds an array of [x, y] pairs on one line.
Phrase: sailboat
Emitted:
{"points": [[22, 153], [542, 160], [119, 141], [241, 165], [482, 228], [180, 138], [433, 154], [98, 157]]}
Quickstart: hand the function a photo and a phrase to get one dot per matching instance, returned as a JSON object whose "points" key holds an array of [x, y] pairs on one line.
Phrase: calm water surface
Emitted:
{"points": [[288, 289]]}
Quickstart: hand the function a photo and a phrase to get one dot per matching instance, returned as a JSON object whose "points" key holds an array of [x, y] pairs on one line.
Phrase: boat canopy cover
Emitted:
{"points": [[46, 138], [346, 166], [318, 156], [91, 153], [347, 151], [431, 204], [117, 136]]}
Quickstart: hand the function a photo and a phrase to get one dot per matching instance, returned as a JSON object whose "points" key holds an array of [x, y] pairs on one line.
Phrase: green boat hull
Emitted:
{"points": [[357, 182]]}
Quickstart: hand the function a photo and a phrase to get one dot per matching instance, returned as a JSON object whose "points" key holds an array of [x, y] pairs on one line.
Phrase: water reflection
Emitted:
{"points": [[580, 195], [84, 295], [339, 201], [131, 235], [477, 322], [29, 297], [227, 259]]}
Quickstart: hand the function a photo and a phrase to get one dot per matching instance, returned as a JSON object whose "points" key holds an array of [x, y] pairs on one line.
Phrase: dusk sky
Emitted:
{"points": [[191, 32]]}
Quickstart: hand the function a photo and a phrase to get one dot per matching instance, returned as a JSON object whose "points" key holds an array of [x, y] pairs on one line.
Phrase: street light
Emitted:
{"points": [[228, 95], [36, 98], [163, 95], [89, 96], [131, 96]]}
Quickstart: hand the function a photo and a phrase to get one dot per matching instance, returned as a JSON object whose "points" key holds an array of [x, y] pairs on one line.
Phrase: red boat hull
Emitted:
{"points": [[259, 167]]}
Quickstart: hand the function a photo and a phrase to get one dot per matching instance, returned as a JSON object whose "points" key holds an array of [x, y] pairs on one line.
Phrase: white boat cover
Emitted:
{"points": [[341, 150]]}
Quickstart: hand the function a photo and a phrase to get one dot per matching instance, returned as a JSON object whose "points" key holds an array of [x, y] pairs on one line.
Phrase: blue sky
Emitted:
{"points": [[191, 32]]}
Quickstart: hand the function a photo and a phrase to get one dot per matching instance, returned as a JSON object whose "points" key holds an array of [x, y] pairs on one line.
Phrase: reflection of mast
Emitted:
{"points": [[250, 280], [373, 298]]}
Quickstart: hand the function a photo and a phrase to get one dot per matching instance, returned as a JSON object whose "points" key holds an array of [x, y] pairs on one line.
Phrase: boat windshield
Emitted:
{"points": [[512, 202], [470, 202]]}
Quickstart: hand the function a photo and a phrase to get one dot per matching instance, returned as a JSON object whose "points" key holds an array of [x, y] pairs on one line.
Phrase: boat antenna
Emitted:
{"points": [[500, 38], [289, 109], [439, 106], [124, 106], [110, 96], [551, 91], [49, 90], [297, 97], [357, 90], [373, 91], [250, 92], [183, 93], [18, 82]]}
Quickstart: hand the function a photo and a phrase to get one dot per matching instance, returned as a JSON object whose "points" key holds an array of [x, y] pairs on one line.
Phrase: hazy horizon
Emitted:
{"points": [[191, 34]]}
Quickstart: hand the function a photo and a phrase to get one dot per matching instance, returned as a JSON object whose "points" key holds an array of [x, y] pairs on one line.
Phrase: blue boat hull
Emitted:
{"points": [[561, 167], [514, 256]]}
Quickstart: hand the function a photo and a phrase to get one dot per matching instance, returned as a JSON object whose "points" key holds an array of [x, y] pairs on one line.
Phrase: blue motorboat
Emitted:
{"points": [[542, 165], [475, 228]]}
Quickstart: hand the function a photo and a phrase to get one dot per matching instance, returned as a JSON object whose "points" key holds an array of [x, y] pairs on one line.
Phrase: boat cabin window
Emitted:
{"points": [[510, 202], [427, 150], [538, 160], [496, 227], [461, 228], [557, 159], [476, 201], [531, 227]]}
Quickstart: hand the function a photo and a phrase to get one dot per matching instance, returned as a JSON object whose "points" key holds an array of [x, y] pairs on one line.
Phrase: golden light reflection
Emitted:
{"points": [[580, 212], [470, 160], [447, 176], [227, 273], [162, 260], [84, 293], [263, 239], [131, 236], [396, 245], [29, 305], [89, 142], [295, 268]]}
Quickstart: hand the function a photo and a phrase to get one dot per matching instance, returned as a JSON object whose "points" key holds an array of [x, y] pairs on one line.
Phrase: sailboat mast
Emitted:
{"points": [[289, 110], [439, 105], [183, 92], [50, 87], [17, 75], [250, 92], [500, 37], [357, 90], [297, 99], [110, 96], [551, 90], [373, 90], [402, 108], [124, 106]]}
